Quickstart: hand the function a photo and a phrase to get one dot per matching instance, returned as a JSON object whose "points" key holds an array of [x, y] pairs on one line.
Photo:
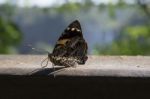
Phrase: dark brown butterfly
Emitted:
{"points": [[71, 48]]}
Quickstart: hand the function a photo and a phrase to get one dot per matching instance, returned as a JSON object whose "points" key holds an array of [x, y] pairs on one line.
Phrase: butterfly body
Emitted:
{"points": [[71, 48]]}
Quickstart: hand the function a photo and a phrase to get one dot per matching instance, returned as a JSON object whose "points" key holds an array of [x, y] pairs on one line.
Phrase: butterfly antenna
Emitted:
{"points": [[53, 67], [37, 49]]}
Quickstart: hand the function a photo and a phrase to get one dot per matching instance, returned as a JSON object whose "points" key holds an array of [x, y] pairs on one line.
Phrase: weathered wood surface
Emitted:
{"points": [[115, 66]]}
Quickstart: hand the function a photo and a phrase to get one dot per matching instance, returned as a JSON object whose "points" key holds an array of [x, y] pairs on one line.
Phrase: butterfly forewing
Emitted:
{"points": [[74, 29], [71, 48]]}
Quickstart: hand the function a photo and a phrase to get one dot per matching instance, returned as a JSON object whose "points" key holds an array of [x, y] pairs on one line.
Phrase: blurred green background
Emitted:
{"points": [[111, 27]]}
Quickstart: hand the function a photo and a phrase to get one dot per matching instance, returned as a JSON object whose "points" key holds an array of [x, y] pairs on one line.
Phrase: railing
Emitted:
{"points": [[124, 77]]}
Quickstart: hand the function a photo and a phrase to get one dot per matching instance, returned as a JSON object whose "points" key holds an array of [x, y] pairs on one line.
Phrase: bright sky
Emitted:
{"points": [[44, 3]]}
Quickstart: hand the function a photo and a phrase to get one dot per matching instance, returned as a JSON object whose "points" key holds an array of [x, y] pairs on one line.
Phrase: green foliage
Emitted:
{"points": [[9, 36], [134, 40], [69, 8], [73, 7], [111, 10], [138, 31]]}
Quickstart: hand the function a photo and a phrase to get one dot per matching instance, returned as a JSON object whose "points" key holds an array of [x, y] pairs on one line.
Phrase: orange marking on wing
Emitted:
{"points": [[63, 41]]}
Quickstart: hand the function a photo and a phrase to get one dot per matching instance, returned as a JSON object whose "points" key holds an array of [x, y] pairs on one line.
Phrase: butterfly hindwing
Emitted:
{"points": [[71, 47]]}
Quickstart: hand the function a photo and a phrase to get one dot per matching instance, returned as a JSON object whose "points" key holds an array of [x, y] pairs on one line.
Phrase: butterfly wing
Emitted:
{"points": [[77, 48], [72, 44]]}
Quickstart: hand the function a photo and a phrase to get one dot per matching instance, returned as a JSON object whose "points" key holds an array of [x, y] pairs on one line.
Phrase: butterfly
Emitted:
{"points": [[71, 48]]}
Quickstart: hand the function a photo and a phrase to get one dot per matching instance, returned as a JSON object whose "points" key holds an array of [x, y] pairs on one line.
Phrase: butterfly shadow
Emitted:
{"points": [[45, 71]]}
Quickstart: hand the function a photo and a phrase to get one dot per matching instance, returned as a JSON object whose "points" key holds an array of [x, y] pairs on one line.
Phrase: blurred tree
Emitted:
{"points": [[73, 7], [133, 39], [69, 7], [10, 35]]}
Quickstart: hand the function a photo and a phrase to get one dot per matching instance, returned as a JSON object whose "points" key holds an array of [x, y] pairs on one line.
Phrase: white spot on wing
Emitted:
{"points": [[72, 29], [68, 28], [78, 30]]}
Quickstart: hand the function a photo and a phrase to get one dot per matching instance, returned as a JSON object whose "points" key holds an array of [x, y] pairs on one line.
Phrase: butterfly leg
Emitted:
{"points": [[53, 66]]}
